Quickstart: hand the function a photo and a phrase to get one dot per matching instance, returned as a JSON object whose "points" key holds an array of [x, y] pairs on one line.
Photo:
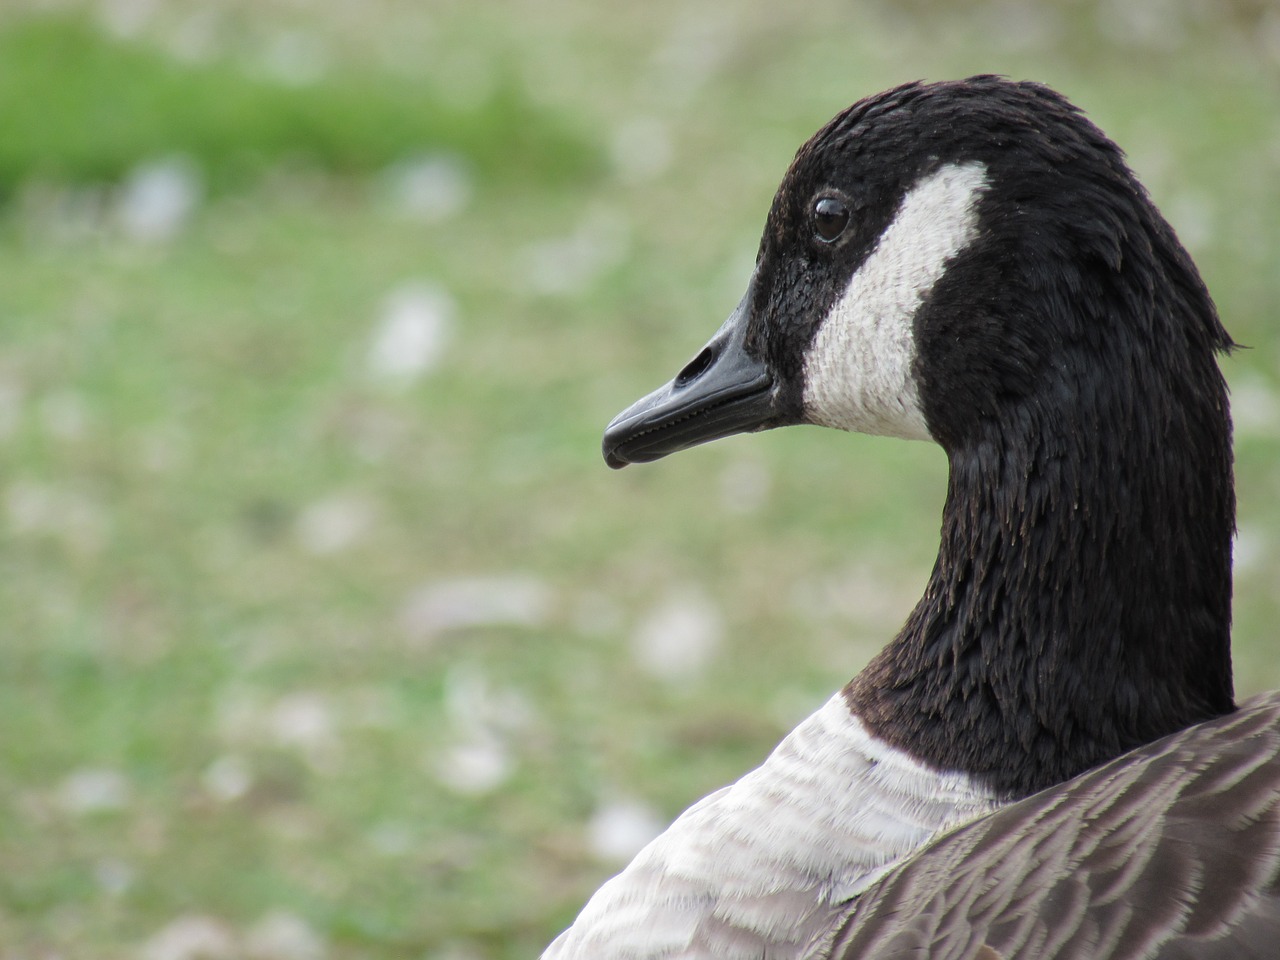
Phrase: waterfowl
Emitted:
{"points": [[1047, 760]]}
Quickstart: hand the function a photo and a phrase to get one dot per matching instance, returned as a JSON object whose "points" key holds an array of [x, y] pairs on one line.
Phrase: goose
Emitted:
{"points": [[1047, 760]]}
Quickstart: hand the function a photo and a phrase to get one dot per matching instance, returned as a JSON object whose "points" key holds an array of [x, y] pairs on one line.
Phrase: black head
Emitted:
{"points": [[973, 262], [937, 257]]}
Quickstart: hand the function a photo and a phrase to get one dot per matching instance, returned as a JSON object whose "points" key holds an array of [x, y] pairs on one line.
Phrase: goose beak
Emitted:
{"points": [[722, 391]]}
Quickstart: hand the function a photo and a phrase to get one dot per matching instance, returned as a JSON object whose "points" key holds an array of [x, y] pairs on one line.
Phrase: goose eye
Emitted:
{"points": [[830, 217]]}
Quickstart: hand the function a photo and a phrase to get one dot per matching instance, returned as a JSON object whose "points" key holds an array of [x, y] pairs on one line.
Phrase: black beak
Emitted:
{"points": [[721, 392]]}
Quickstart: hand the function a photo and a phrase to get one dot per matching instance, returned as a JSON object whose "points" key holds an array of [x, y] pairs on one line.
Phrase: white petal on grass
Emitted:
{"points": [[412, 333], [1255, 405], [94, 790], [228, 778], [281, 935], [620, 828], [513, 600], [679, 637], [158, 199], [474, 766], [476, 707], [1249, 548], [481, 720], [192, 937], [566, 265], [307, 722], [429, 189], [336, 523]]}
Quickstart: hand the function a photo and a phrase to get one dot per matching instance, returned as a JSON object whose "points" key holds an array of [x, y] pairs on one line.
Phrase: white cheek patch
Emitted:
{"points": [[858, 370]]}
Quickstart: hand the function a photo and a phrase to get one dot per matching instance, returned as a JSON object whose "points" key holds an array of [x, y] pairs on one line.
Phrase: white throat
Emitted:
{"points": [[762, 868], [858, 372]]}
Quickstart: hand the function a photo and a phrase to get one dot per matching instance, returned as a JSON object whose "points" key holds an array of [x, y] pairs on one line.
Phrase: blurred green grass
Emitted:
{"points": [[82, 105], [217, 706]]}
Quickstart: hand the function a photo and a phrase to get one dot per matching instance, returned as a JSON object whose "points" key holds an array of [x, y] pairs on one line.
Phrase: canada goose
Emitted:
{"points": [[973, 263]]}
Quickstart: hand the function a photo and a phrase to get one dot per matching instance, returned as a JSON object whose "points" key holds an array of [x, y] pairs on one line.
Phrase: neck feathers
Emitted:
{"points": [[1080, 602]]}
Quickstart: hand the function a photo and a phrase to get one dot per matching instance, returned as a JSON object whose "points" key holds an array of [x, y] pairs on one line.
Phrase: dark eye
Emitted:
{"points": [[830, 217]]}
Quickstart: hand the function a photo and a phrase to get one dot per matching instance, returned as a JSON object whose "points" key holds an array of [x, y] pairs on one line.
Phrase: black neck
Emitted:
{"points": [[1080, 602]]}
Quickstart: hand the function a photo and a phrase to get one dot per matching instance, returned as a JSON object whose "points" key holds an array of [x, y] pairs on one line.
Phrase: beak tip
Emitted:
{"points": [[609, 448]]}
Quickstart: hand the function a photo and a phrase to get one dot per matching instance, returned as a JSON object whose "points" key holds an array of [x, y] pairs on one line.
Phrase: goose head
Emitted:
{"points": [[973, 263], [943, 261]]}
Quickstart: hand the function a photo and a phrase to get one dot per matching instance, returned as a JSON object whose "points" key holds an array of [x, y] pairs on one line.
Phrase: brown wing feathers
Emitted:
{"points": [[1172, 851]]}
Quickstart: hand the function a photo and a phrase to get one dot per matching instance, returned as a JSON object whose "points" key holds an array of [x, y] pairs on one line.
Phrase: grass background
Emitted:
{"points": [[254, 595]]}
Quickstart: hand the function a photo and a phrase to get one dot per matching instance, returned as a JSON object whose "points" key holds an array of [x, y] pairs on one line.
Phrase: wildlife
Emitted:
{"points": [[1047, 760]]}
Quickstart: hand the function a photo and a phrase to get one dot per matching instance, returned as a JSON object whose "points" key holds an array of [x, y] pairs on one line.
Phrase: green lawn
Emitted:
{"points": [[324, 621]]}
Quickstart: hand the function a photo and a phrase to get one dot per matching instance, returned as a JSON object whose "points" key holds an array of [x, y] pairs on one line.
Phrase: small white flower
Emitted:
{"points": [[228, 778], [158, 199], [412, 333], [679, 638], [191, 937], [621, 828], [93, 790], [304, 721], [284, 936], [567, 265], [336, 523], [515, 600], [476, 765], [430, 189]]}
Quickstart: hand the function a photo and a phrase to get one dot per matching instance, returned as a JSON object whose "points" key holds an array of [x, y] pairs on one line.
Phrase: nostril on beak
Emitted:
{"points": [[695, 368]]}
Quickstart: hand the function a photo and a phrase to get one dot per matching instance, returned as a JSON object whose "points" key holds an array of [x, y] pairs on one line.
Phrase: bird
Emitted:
{"points": [[1047, 760]]}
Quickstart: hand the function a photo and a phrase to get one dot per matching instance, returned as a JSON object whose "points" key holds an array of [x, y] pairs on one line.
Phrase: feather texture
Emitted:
{"points": [[764, 866], [1170, 852]]}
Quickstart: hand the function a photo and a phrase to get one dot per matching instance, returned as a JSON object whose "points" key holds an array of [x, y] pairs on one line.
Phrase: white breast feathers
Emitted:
{"points": [[761, 867]]}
